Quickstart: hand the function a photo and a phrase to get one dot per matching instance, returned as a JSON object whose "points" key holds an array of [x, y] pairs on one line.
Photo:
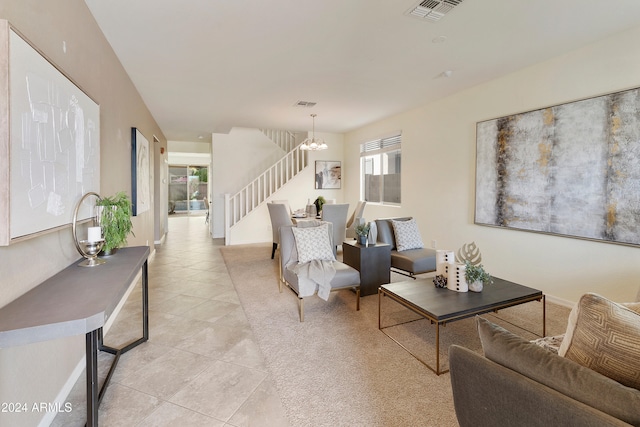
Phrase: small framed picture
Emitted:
{"points": [[328, 174]]}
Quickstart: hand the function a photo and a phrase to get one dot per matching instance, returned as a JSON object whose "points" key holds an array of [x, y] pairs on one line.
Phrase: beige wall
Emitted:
{"points": [[37, 372], [438, 156]]}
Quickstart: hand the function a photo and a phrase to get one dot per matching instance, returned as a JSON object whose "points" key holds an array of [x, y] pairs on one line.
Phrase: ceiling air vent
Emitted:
{"points": [[305, 104], [433, 10]]}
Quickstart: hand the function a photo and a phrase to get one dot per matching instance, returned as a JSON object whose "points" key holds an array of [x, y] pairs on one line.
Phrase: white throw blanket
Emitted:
{"points": [[315, 275]]}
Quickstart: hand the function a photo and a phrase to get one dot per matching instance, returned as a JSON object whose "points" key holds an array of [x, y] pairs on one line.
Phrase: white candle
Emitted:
{"points": [[94, 234]]}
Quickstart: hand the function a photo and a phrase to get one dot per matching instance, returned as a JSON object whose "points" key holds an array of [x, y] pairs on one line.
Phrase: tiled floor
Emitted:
{"points": [[201, 365]]}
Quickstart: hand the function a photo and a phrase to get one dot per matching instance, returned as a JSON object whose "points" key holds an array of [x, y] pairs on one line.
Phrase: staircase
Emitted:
{"points": [[240, 204], [282, 138]]}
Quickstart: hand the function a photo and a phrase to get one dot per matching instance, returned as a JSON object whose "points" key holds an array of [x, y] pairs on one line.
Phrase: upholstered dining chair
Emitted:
{"points": [[280, 216], [296, 254], [337, 215], [284, 202], [351, 223]]}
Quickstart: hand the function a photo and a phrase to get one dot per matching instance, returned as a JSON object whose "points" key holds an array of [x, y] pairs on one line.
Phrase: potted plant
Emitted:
{"points": [[319, 202], [476, 276], [362, 231], [114, 216]]}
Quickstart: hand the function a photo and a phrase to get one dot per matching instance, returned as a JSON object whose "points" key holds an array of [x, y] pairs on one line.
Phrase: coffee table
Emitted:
{"points": [[441, 305]]}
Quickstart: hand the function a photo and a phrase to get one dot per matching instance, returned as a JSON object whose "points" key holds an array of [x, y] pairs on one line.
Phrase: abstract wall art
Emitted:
{"points": [[140, 193], [571, 170], [328, 174], [49, 143]]}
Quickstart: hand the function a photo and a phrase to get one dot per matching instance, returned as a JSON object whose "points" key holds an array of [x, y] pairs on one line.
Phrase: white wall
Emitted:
{"points": [[242, 154], [438, 171]]}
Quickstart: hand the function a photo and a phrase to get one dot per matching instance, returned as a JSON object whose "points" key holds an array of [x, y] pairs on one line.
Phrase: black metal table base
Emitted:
{"points": [[94, 344]]}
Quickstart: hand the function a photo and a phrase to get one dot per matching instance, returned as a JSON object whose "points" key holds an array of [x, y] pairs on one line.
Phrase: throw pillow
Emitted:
{"points": [[312, 243], [407, 235], [604, 336], [563, 375]]}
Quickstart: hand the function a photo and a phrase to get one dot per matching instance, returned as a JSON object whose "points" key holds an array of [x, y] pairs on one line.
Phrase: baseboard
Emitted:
{"points": [[559, 301], [161, 241], [61, 398], [123, 300]]}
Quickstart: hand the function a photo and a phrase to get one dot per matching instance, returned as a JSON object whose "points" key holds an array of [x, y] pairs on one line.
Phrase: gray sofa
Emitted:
{"points": [[518, 383], [410, 262]]}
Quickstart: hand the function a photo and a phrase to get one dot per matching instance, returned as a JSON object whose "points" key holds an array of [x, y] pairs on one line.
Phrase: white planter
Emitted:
{"points": [[476, 286]]}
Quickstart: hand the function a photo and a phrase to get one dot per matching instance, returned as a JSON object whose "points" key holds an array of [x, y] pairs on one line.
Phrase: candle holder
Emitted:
{"points": [[87, 249]]}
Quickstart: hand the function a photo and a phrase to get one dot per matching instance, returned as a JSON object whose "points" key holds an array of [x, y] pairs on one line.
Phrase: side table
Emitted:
{"points": [[372, 261]]}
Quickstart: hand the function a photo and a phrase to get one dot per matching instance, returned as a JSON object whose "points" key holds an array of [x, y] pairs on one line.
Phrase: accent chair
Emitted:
{"points": [[408, 262], [345, 277]]}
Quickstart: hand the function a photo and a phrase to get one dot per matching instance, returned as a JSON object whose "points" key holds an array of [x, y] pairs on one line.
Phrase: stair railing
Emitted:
{"points": [[282, 138], [240, 204]]}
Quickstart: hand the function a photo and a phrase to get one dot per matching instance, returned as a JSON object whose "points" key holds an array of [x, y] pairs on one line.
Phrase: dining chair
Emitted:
{"points": [[337, 215], [351, 223], [280, 216], [284, 202]]}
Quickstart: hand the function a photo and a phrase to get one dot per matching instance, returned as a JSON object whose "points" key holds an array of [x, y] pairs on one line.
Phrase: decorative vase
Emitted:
{"points": [[373, 232], [311, 210], [476, 286], [362, 240], [443, 258], [456, 278]]}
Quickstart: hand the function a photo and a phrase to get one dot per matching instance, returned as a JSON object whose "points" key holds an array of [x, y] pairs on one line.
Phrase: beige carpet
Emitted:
{"points": [[338, 369]]}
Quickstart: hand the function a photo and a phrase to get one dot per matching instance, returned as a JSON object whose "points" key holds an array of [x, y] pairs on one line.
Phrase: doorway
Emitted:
{"points": [[188, 189]]}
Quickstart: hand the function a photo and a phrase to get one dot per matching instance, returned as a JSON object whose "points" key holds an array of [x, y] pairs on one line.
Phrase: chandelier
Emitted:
{"points": [[313, 143]]}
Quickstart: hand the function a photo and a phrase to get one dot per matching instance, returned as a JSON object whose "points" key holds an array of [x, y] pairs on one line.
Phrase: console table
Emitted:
{"points": [[372, 261], [79, 300]]}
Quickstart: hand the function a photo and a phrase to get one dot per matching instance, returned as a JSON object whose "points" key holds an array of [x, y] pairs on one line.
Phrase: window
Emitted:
{"points": [[380, 162]]}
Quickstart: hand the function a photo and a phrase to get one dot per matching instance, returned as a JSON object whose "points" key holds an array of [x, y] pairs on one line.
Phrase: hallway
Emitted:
{"points": [[201, 365]]}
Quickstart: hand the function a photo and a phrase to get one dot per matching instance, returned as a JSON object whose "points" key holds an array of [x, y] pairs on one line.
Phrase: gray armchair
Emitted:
{"points": [[336, 215], [345, 277], [280, 216], [409, 262]]}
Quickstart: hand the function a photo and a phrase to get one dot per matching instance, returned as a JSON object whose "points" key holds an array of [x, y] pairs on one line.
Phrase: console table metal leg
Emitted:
{"points": [[92, 377], [544, 316], [145, 302], [379, 304], [438, 348]]}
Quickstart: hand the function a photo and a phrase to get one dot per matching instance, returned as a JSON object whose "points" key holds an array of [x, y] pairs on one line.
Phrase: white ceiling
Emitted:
{"points": [[205, 66]]}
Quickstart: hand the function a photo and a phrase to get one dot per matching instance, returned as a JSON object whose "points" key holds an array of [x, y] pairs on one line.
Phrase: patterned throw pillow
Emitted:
{"points": [[407, 235], [313, 243], [605, 337]]}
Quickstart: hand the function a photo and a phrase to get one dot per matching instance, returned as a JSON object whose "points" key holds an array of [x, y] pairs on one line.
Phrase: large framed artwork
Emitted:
{"points": [[328, 174], [49, 143], [140, 195], [571, 170]]}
